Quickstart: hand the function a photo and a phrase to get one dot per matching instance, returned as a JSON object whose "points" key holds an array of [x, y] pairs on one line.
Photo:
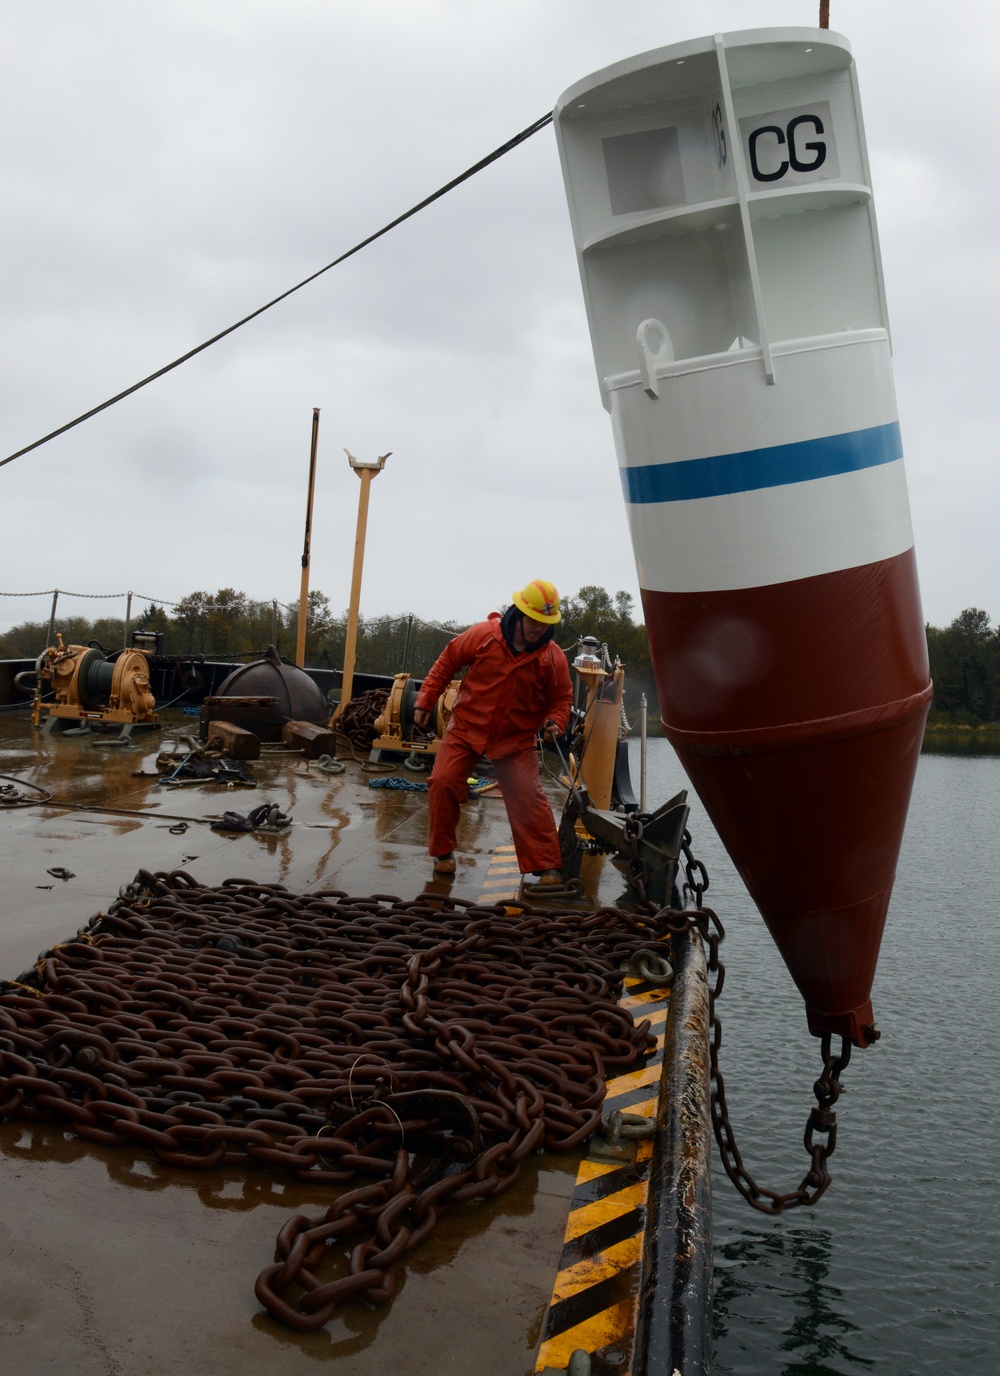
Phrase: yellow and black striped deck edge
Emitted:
{"points": [[594, 1301], [635, 1274], [595, 1298]]}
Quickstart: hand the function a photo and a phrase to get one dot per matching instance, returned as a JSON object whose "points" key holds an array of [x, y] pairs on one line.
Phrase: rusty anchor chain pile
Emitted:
{"points": [[357, 721], [410, 1054]]}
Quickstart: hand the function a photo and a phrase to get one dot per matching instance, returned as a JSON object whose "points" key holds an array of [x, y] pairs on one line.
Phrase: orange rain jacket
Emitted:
{"points": [[505, 698]]}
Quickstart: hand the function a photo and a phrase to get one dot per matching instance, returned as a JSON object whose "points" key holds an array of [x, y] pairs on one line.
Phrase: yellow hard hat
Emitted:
{"points": [[540, 601]]}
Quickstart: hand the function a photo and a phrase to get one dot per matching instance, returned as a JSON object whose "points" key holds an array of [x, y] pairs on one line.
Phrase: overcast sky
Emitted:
{"points": [[167, 167]]}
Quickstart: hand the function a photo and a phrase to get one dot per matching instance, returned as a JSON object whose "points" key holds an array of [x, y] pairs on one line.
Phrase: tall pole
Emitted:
{"points": [[824, 14], [52, 617], [300, 644], [128, 621], [365, 471], [642, 755]]}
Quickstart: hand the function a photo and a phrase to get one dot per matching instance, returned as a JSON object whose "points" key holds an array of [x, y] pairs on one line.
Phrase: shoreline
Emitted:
{"points": [[942, 728]]}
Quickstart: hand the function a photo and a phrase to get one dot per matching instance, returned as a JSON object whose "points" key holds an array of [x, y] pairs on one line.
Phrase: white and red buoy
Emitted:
{"points": [[721, 203]]}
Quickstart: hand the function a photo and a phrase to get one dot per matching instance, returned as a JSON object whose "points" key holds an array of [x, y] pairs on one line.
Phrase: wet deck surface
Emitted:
{"points": [[116, 1264]]}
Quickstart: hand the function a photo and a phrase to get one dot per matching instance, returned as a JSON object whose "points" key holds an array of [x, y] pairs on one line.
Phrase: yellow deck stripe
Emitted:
{"points": [[589, 1216], [637, 1000], [593, 1170], [638, 1079], [615, 1324], [583, 1274], [503, 876], [593, 1333]]}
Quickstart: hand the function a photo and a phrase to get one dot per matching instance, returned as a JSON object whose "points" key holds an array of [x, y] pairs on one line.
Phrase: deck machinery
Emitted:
{"points": [[89, 686]]}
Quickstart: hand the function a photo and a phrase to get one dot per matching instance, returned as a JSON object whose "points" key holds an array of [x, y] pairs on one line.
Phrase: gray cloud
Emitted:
{"points": [[168, 168]]}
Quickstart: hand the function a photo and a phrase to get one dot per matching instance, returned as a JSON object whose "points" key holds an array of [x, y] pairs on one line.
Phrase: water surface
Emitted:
{"points": [[895, 1271]]}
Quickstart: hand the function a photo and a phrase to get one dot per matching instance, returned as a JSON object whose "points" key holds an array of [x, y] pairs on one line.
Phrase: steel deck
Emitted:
{"points": [[117, 1264]]}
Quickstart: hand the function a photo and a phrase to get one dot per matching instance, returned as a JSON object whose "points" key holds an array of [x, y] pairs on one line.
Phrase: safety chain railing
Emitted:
{"points": [[412, 1053], [291, 607], [820, 1137], [96, 596]]}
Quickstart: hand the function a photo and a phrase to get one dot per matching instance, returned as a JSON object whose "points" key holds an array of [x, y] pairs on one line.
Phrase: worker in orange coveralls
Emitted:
{"points": [[516, 684]]}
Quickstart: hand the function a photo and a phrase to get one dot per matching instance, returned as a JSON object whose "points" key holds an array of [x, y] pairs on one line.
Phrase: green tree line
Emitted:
{"points": [[965, 667], [229, 625], [964, 657]]}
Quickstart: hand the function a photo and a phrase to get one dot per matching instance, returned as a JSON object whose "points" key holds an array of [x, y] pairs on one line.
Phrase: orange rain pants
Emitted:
{"points": [[531, 822], [505, 698]]}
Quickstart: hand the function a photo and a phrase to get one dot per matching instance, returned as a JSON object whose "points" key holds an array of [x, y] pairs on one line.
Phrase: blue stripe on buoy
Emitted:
{"points": [[776, 466]]}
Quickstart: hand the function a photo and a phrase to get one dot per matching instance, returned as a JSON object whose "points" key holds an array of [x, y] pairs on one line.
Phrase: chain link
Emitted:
{"points": [[45, 592], [94, 596], [410, 1054], [820, 1137], [357, 721]]}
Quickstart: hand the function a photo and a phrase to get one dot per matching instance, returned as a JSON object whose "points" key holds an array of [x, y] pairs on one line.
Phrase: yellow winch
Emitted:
{"points": [[90, 686], [395, 729]]}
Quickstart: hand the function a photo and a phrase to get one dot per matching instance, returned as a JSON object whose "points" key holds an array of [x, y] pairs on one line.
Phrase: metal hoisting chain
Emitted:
{"points": [[820, 1137]]}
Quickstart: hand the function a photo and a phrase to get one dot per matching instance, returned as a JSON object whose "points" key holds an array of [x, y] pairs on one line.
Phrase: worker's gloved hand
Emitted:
{"points": [[550, 731], [421, 717]]}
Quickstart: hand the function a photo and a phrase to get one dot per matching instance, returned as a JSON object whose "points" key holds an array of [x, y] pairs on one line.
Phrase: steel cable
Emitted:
{"points": [[371, 238]]}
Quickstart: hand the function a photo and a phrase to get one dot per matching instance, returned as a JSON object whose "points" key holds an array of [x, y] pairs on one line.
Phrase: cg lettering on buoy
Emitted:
{"points": [[788, 147]]}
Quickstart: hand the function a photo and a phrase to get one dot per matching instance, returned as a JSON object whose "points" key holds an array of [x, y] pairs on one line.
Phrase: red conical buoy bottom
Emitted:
{"points": [[798, 712], [812, 817]]}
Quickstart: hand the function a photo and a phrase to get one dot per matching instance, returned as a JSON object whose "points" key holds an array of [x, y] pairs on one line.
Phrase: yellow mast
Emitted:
{"points": [[365, 471]]}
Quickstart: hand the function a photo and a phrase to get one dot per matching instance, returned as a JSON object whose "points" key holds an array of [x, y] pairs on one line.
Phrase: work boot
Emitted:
{"points": [[548, 879], [445, 864]]}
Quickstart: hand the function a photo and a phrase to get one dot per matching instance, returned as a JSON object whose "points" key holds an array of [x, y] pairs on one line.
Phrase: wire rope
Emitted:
{"points": [[406, 215]]}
